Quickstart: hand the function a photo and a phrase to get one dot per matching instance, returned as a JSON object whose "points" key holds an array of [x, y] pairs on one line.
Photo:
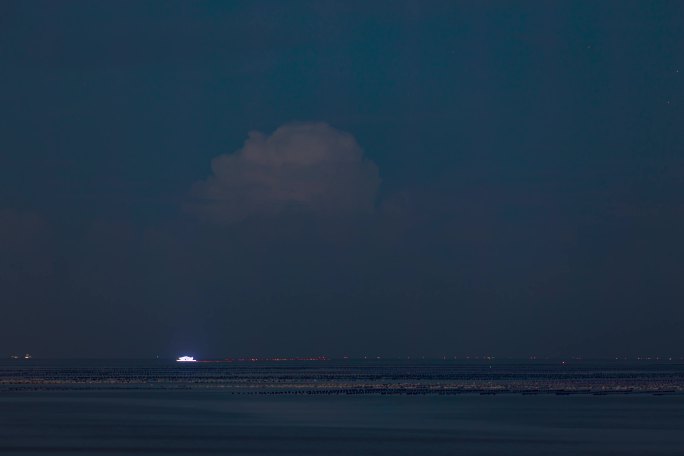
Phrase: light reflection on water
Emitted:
{"points": [[158, 408]]}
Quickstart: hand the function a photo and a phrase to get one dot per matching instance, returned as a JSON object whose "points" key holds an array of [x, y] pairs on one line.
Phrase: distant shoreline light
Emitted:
{"points": [[186, 359]]}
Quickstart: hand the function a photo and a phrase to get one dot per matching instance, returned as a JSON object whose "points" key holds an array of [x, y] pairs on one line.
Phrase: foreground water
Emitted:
{"points": [[66, 409]]}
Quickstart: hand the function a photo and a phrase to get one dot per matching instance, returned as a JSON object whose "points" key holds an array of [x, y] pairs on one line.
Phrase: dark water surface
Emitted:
{"points": [[96, 417]]}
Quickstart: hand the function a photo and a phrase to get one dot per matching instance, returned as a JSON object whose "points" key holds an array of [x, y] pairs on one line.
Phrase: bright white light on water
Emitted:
{"points": [[186, 359]]}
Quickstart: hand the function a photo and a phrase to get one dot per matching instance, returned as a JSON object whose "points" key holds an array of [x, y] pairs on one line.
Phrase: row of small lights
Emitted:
{"points": [[467, 357]]}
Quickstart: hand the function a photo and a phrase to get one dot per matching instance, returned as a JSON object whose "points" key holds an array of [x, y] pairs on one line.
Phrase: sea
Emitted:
{"points": [[342, 407]]}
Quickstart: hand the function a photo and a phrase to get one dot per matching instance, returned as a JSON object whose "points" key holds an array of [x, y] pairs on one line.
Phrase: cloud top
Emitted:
{"points": [[300, 166]]}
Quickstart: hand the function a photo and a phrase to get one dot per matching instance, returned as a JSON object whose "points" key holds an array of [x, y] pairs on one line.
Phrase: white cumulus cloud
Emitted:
{"points": [[300, 166]]}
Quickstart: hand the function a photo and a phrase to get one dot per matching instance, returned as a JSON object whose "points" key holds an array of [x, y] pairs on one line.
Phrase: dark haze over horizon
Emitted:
{"points": [[341, 178]]}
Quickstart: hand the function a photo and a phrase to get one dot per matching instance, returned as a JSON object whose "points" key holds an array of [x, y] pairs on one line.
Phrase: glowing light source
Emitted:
{"points": [[186, 359]]}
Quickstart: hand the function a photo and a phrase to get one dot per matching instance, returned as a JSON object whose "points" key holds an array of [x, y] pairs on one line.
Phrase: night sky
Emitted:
{"points": [[341, 178]]}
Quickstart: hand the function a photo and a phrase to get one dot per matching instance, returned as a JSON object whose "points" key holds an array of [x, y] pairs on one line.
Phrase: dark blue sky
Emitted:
{"points": [[434, 178]]}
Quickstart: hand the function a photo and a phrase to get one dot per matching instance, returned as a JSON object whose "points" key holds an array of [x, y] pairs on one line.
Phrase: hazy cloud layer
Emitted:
{"points": [[301, 166]]}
